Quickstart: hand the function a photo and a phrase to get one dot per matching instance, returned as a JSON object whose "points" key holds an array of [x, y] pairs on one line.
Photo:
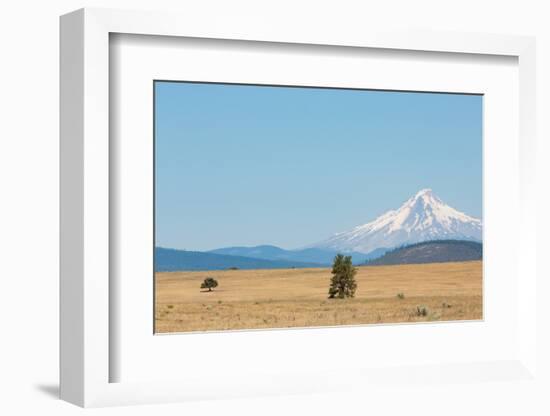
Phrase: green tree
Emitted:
{"points": [[342, 283], [209, 283]]}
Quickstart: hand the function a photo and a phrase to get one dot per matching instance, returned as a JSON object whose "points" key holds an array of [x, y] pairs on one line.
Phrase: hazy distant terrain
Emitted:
{"points": [[259, 257], [172, 260], [311, 255], [281, 298]]}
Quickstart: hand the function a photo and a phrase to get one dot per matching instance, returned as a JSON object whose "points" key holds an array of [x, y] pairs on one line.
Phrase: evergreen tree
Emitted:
{"points": [[342, 283]]}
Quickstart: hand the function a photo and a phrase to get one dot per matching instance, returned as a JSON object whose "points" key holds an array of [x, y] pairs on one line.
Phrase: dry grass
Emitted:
{"points": [[249, 299]]}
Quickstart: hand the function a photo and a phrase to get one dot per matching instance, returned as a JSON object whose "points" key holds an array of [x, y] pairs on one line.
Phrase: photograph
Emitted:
{"points": [[296, 207]]}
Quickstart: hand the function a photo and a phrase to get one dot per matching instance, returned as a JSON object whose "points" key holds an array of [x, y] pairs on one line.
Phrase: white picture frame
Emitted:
{"points": [[87, 301]]}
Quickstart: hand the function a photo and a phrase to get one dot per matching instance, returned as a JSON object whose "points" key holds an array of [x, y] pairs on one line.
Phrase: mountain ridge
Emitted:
{"points": [[423, 217], [310, 255], [435, 251]]}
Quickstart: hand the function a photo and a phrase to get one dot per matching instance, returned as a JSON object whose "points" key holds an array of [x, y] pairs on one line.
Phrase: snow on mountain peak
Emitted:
{"points": [[422, 217], [425, 191]]}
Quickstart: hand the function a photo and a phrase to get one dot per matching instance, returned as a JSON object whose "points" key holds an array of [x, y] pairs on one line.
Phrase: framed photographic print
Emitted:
{"points": [[272, 198], [251, 241]]}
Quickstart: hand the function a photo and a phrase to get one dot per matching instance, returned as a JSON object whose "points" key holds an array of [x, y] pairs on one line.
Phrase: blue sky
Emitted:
{"points": [[249, 165]]}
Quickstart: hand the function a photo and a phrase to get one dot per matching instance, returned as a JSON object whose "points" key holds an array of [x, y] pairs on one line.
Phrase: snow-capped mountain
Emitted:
{"points": [[422, 217]]}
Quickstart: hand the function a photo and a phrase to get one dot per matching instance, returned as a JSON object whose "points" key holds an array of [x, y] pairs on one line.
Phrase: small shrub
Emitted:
{"points": [[401, 295], [434, 317], [170, 306], [422, 311], [446, 305], [209, 283]]}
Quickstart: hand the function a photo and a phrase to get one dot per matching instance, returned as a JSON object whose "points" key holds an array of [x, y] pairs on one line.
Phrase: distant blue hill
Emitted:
{"points": [[167, 259], [308, 255]]}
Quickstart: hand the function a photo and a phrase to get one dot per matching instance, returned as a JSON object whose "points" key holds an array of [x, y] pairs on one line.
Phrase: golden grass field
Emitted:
{"points": [[282, 298]]}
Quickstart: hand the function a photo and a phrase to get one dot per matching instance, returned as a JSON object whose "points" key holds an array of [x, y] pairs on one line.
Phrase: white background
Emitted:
{"points": [[29, 207]]}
